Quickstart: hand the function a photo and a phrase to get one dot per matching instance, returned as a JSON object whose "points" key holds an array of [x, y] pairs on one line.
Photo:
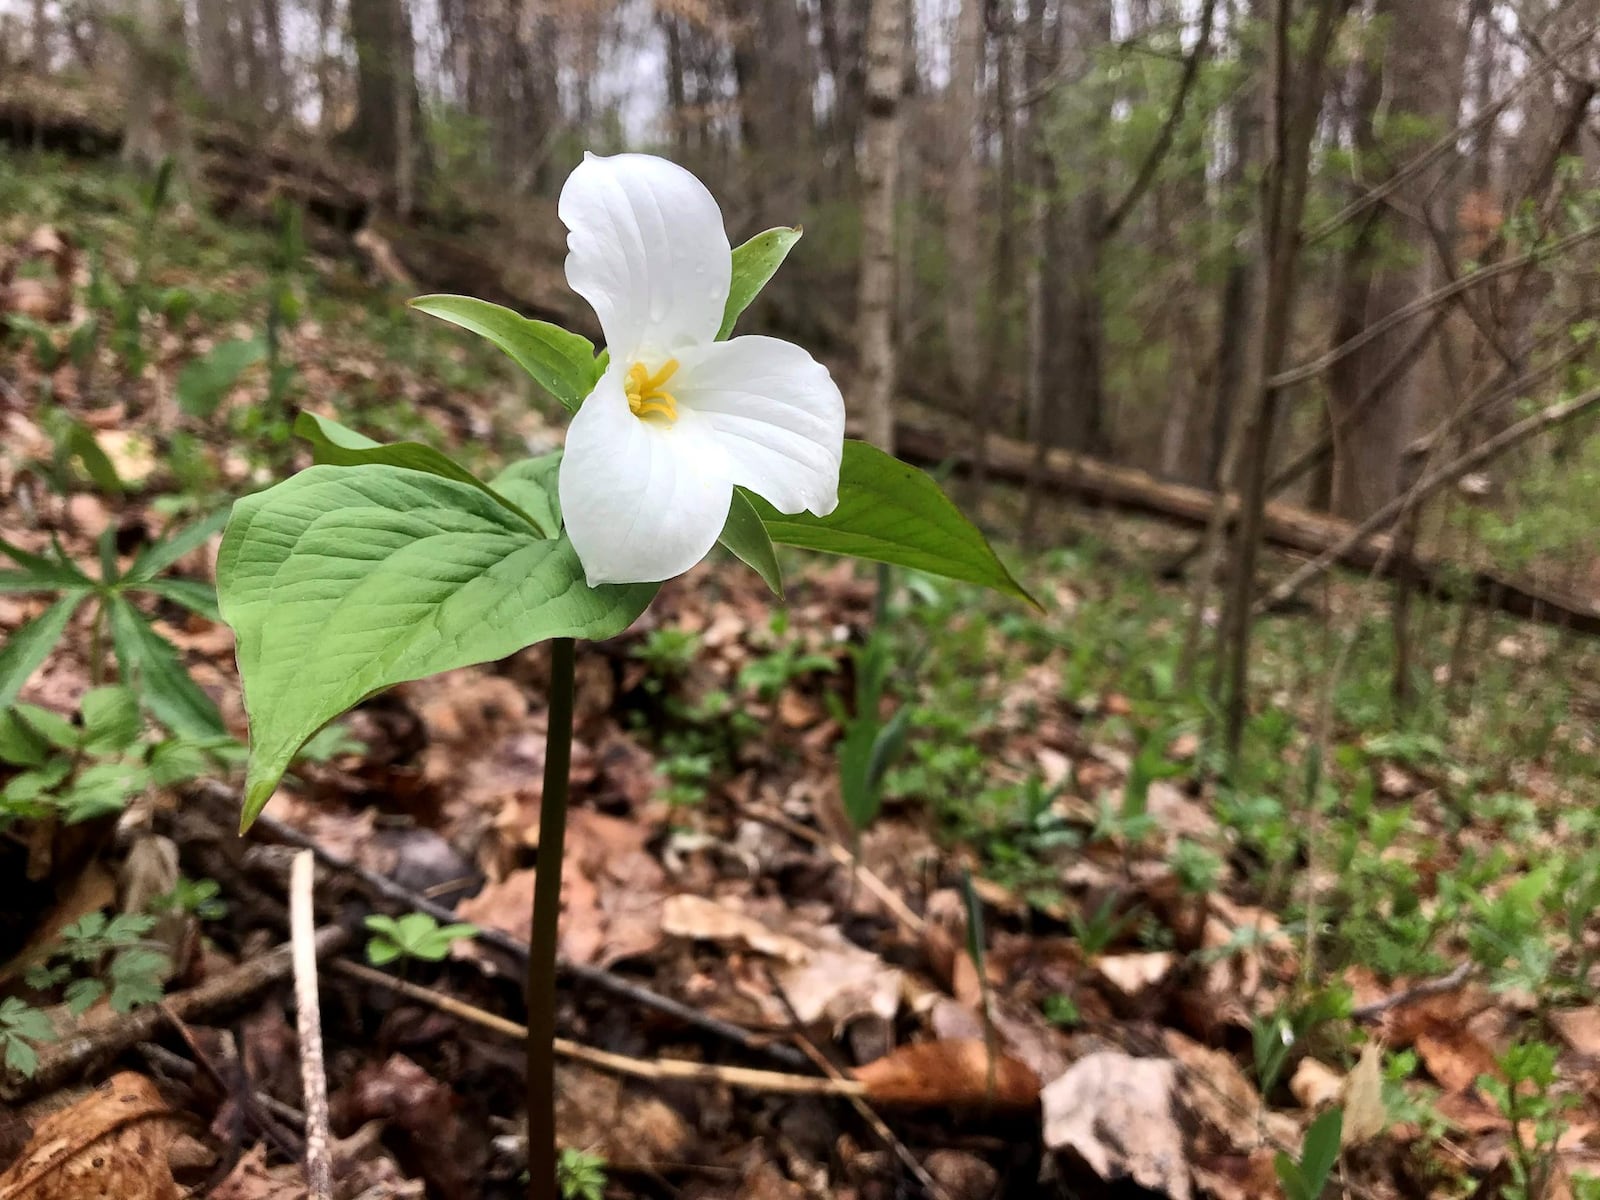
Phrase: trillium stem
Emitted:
{"points": [[541, 1082]]}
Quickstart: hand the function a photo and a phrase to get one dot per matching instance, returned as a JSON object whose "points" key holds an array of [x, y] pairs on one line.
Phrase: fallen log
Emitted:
{"points": [[1285, 526]]}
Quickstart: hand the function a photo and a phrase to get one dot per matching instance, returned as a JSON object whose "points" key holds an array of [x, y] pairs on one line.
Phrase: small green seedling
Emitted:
{"points": [[415, 935], [582, 1175], [22, 1027], [104, 957]]}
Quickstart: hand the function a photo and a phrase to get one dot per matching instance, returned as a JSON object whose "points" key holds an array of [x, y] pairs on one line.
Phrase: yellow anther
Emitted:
{"points": [[646, 392]]}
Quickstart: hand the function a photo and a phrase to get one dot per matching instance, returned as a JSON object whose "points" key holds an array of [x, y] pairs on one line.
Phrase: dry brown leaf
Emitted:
{"points": [[1134, 974], [1579, 1028], [841, 982], [111, 1143], [1215, 1089], [1454, 1056], [1315, 1083], [953, 1074], [697, 917], [1365, 1115], [252, 1179], [1118, 1115]]}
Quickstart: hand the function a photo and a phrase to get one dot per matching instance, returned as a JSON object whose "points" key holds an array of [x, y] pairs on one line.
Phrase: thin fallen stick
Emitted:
{"points": [[103, 1040], [1431, 987], [285, 1141], [276, 830], [308, 1023], [864, 1110], [896, 906], [771, 1082], [171, 1063]]}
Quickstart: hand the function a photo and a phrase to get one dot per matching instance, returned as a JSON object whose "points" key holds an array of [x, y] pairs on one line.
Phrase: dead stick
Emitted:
{"points": [[104, 1039], [896, 906], [276, 830], [1549, 418], [771, 1082], [308, 1022]]}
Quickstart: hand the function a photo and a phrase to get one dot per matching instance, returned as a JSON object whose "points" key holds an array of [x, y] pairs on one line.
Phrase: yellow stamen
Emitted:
{"points": [[646, 392]]}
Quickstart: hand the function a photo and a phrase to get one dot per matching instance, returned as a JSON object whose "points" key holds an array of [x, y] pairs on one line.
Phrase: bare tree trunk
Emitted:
{"points": [[1295, 102], [385, 86], [963, 265], [326, 119], [155, 127], [875, 304], [39, 55], [1002, 307], [1419, 78]]}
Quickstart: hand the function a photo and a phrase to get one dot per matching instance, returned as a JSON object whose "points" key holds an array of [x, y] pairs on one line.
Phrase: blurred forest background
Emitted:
{"points": [[1264, 335], [1321, 252]]}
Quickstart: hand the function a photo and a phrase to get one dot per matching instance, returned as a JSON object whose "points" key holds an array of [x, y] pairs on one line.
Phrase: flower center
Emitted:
{"points": [[647, 396]]}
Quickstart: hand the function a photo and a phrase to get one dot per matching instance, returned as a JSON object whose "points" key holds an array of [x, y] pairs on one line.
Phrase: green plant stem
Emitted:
{"points": [[97, 649], [541, 1082]]}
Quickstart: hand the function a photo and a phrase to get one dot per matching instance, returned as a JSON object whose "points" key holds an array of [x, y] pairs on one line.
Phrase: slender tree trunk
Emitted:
{"points": [[1295, 102], [963, 260], [39, 54], [875, 305], [385, 87], [155, 127], [1001, 307]]}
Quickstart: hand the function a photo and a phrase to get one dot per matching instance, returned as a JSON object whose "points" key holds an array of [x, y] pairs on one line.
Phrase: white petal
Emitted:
{"points": [[776, 413], [642, 502], [648, 251]]}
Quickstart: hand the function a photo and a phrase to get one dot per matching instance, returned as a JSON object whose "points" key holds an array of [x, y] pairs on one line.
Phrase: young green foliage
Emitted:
{"points": [[415, 935]]}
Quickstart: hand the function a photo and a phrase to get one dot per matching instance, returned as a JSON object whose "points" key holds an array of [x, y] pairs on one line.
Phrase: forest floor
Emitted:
{"points": [[1155, 982]]}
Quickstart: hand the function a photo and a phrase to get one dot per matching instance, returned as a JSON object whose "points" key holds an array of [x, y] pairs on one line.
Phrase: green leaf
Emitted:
{"points": [[111, 720], [1319, 1153], [860, 799], [20, 1057], [50, 573], [204, 382], [107, 547], [51, 726], [152, 664], [29, 646], [159, 555], [562, 363], [747, 537], [754, 263], [891, 512], [533, 485], [196, 595], [20, 744], [80, 441], [81, 995], [340, 446], [344, 581], [381, 951]]}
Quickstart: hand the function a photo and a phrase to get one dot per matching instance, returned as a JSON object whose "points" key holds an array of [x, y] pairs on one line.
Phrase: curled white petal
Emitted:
{"points": [[647, 250], [776, 414], [642, 501]]}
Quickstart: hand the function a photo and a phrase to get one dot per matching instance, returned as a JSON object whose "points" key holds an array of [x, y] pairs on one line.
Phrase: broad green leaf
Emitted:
{"points": [[196, 595], [51, 573], [204, 382], [341, 582], [534, 486], [891, 512], [340, 446], [20, 744], [111, 719], [746, 536], [754, 263], [26, 649], [51, 726], [159, 555], [562, 363], [152, 666]]}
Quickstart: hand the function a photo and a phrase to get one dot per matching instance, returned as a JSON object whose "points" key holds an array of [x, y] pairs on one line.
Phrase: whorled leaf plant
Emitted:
{"points": [[383, 564]]}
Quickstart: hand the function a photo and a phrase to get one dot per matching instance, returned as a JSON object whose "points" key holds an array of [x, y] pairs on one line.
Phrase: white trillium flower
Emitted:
{"points": [[678, 419]]}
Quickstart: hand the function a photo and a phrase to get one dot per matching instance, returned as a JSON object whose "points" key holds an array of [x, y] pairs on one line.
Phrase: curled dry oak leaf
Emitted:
{"points": [[957, 1074], [697, 917], [1117, 1115], [113, 1142]]}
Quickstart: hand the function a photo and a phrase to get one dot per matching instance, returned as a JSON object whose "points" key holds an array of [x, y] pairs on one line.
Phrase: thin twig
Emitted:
{"points": [[863, 1109], [308, 1021], [1431, 987], [885, 894], [276, 831], [108, 1037], [1548, 418], [772, 1082]]}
